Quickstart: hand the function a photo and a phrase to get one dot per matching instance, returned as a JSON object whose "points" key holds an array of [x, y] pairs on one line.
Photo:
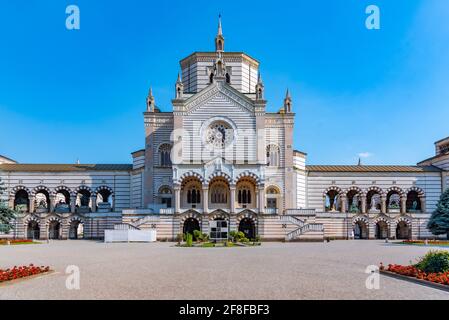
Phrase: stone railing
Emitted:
{"points": [[271, 210], [300, 212], [167, 210], [315, 227]]}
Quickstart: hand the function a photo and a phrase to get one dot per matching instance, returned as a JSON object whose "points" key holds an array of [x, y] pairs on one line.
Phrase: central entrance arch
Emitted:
{"points": [[190, 225], [248, 227]]}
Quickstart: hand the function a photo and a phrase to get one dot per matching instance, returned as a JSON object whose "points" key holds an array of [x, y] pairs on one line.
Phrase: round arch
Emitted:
{"points": [[403, 228], [382, 228], [41, 197], [20, 196], [54, 228], [76, 228], [354, 196], [33, 228], [373, 199], [248, 174], [360, 226]]}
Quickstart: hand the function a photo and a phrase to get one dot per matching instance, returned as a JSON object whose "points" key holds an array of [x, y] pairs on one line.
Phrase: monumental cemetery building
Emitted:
{"points": [[219, 160]]}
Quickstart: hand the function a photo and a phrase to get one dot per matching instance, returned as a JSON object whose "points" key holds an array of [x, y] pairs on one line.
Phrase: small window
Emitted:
{"points": [[273, 156], [244, 196], [165, 155], [228, 78], [193, 196]]}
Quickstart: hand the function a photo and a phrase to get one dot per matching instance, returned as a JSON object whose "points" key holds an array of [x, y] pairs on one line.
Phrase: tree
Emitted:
{"points": [[7, 215], [439, 221]]}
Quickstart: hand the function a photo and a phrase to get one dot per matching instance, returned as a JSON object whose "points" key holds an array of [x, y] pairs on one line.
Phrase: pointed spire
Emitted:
{"points": [[219, 39], [288, 102], [179, 88], [360, 162], [259, 88], [220, 29], [150, 101]]}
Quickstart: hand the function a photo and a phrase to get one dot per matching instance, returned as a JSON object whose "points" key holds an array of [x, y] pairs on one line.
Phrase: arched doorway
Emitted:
{"points": [[219, 194], [190, 225], [381, 230], [403, 231], [76, 230], [33, 230], [360, 230], [54, 230], [248, 227], [21, 201]]}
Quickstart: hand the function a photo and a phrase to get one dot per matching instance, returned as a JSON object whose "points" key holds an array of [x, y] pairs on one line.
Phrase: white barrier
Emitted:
{"points": [[130, 236]]}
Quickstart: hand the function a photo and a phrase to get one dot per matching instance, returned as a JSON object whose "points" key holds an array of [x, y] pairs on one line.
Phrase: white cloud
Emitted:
{"points": [[365, 154]]}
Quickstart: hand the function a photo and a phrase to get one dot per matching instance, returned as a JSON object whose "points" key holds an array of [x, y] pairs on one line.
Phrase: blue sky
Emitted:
{"points": [[68, 95]]}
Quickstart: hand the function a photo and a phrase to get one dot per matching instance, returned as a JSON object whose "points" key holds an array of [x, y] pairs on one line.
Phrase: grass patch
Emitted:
{"points": [[17, 242], [209, 244]]}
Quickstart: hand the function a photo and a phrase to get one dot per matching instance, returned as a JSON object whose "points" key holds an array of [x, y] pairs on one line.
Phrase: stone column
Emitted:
{"points": [[343, 203], [383, 200], [93, 200], [72, 204], [52, 203], [11, 202], [404, 204], [177, 190], [32, 200], [324, 203], [363, 204], [205, 199], [262, 199], [232, 190], [423, 204]]}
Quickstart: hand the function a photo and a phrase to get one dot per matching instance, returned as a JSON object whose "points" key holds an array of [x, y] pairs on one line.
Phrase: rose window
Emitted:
{"points": [[219, 135]]}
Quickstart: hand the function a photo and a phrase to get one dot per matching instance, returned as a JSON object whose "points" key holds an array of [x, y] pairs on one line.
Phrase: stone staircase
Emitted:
{"points": [[304, 230]]}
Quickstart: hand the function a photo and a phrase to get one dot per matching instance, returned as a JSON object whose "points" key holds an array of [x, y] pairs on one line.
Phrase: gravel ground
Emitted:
{"points": [[333, 270]]}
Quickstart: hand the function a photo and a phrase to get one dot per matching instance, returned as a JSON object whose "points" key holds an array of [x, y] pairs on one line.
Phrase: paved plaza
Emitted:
{"points": [[334, 270]]}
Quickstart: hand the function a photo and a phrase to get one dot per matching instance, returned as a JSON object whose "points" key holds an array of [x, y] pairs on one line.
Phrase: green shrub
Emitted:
{"points": [[434, 261], [205, 237], [233, 236], [257, 238], [198, 235], [189, 240], [208, 245]]}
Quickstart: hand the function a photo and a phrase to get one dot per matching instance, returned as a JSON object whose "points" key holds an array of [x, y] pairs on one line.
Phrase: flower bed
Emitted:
{"points": [[21, 272], [429, 242], [16, 241]]}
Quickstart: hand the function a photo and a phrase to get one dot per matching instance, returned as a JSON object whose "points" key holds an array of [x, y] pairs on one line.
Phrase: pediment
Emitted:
{"points": [[219, 91]]}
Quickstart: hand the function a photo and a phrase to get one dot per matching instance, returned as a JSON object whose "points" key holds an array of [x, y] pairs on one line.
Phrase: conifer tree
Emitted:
{"points": [[439, 221], [7, 215]]}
